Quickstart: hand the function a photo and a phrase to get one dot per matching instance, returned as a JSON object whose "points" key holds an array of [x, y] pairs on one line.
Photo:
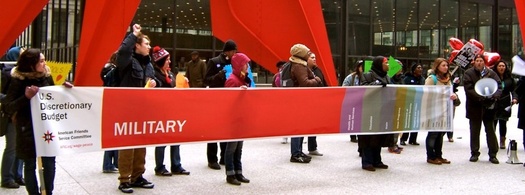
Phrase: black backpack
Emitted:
{"points": [[286, 75], [110, 76]]}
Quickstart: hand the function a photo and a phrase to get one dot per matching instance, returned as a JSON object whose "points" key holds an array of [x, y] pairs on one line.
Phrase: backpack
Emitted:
{"points": [[110, 76], [286, 75], [434, 78]]}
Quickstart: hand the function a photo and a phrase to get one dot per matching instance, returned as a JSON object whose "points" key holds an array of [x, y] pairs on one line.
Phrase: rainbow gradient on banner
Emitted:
{"points": [[378, 110]]}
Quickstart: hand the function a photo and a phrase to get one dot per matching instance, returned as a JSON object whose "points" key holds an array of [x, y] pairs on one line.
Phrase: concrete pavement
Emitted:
{"points": [[266, 163]]}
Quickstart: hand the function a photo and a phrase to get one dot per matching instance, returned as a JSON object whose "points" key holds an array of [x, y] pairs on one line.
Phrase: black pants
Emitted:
{"points": [[412, 139], [211, 151], [502, 128], [475, 128]]}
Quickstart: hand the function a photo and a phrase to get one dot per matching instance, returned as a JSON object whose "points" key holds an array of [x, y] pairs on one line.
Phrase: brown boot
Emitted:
{"points": [[502, 143]]}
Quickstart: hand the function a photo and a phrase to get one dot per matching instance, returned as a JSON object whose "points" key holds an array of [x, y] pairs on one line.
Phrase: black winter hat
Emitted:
{"points": [[229, 46]]}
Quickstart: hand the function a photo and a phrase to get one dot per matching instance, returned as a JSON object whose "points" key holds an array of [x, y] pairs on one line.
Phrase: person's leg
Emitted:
{"points": [[222, 145], [438, 146], [312, 143], [159, 159], [106, 161], [502, 133], [49, 165], [115, 158], [9, 161], [430, 143], [238, 163], [367, 157], [228, 158], [296, 146], [353, 138], [211, 152], [30, 176], [404, 138], [176, 166], [139, 160], [125, 165], [413, 138], [475, 128], [492, 140]]}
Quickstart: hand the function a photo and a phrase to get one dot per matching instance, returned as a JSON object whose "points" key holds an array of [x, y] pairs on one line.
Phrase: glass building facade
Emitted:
{"points": [[409, 30]]}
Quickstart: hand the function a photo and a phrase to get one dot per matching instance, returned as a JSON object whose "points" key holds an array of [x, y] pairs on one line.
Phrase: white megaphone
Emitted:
{"points": [[486, 87], [512, 152]]}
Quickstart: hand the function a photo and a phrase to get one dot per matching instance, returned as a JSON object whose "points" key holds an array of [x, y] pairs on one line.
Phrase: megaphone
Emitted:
{"points": [[486, 87], [512, 152]]}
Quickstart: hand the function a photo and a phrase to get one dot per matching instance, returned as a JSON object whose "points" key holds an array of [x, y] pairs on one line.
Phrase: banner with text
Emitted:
{"points": [[84, 119]]}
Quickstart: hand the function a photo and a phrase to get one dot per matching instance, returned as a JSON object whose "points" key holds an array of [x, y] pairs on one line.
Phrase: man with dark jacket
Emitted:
{"points": [[134, 70], [302, 76], [196, 71], [216, 77], [413, 77], [481, 109]]}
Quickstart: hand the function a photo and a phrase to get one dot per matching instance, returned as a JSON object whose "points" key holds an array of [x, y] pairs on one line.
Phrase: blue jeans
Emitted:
{"points": [[434, 144], [174, 155], [48, 164], [371, 156], [296, 145], [11, 166], [312, 143], [110, 160], [232, 157]]}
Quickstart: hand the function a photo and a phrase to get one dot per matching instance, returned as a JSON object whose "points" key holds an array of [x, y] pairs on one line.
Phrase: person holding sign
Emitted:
{"points": [[27, 77]]}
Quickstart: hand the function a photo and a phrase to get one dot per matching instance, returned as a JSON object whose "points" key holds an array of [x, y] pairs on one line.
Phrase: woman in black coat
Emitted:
{"points": [[30, 73], [508, 85]]}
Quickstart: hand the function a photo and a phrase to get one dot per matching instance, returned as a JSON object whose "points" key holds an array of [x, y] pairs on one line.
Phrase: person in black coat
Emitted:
{"points": [[520, 91], [370, 145], [508, 98], [480, 109], [27, 77], [216, 77], [414, 77]]}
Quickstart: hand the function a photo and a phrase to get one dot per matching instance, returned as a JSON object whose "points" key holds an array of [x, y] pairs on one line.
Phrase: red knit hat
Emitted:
{"points": [[159, 53]]}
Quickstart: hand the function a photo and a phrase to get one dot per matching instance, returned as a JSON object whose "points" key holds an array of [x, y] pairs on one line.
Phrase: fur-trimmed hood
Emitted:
{"points": [[30, 75]]}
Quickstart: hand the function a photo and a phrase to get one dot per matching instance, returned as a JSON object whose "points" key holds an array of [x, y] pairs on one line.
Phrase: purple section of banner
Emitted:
{"points": [[351, 110]]}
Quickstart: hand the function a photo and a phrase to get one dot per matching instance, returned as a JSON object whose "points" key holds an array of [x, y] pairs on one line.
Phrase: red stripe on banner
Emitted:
{"points": [[16, 16], [266, 30], [103, 29], [520, 10], [219, 115]]}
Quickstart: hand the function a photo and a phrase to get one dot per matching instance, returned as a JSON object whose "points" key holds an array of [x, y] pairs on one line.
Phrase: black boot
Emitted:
{"points": [[241, 178], [232, 180]]}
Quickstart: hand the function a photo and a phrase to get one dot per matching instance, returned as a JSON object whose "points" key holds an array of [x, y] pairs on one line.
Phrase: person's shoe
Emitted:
{"points": [[353, 139], [434, 161], [285, 141], [305, 156], [10, 185], [214, 165], [299, 159], [414, 143], [473, 159], [125, 187], [232, 180], [494, 160], [443, 160], [502, 144], [369, 168], [399, 147], [381, 166], [241, 178], [181, 172], [142, 183], [162, 172], [315, 153], [20, 181], [394, 150], [450, 139], [403, 143], [112, 170]]}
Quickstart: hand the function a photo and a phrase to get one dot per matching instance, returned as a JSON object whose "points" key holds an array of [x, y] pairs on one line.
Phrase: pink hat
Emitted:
{"points": [[159, 53]]}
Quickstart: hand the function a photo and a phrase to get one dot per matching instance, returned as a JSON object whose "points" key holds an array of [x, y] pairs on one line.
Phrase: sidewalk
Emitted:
{"points": [[266, 163]]}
